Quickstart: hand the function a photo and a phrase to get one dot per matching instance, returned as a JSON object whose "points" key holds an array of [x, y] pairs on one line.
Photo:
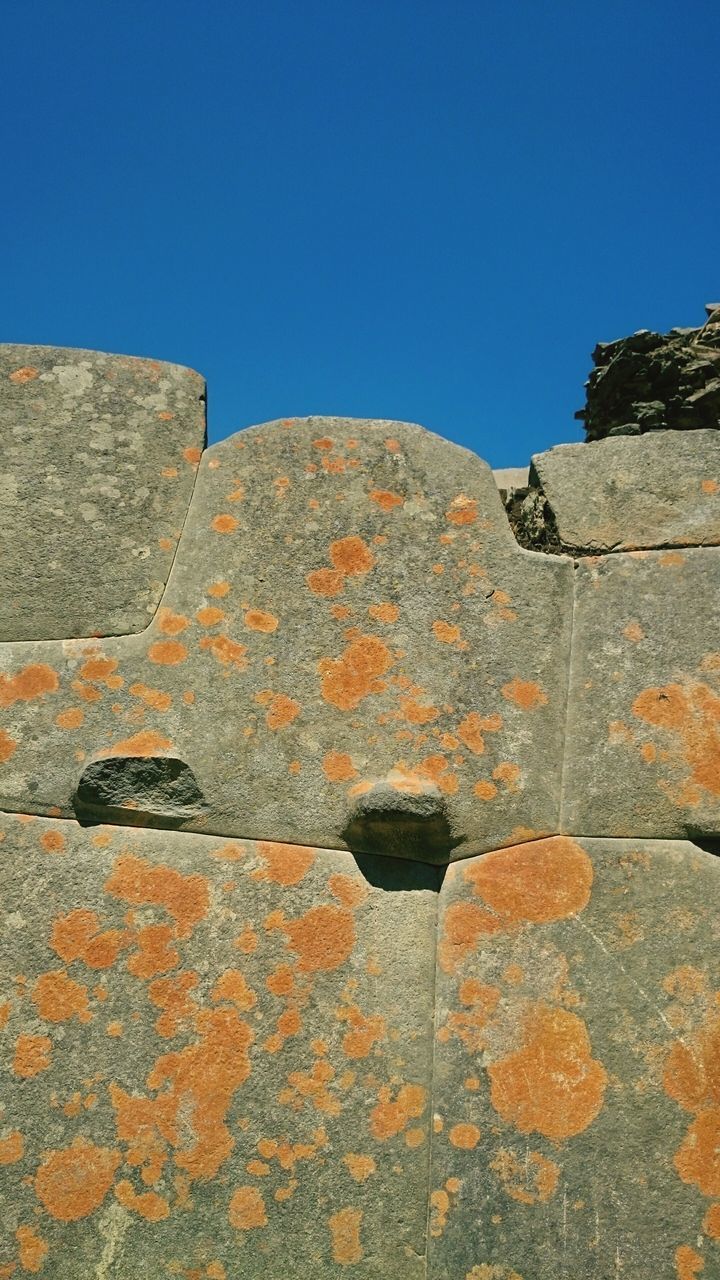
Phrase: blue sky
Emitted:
{"points": [[417, 209]]}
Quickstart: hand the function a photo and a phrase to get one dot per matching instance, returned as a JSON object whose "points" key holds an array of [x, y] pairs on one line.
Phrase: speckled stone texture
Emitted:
{"points": [[657, 490], [99, 455], [215, 1057], [348, 621], [576, 1089], [643, 740]]}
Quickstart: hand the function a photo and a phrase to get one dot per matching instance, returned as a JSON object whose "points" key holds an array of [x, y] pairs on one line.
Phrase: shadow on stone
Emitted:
{"points": [[399, 874], [401, 824], [139, 791]]}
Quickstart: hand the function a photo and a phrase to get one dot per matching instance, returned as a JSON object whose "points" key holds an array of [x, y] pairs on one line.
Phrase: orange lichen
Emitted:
{"points": [[32, 1055], [349, 679], [101, 670], [323, 937], [417, 712], [148, 1204], [385, 612], [485, 790], [219, 589], [524, 693], [463, 925], [688, 1263], [351, 555], [26, 374], [224, 524], [385, 499], [470, 730], [155, 953], [698, 1158], [464, 1136], [284, 864], [73, 1182], [173, 996], [338, 767], [711, 1222], [551, 1084], [185, 897], [349, 890], [170, 623], [209, 616], [281, 711], [146, 743], [359, 1167], [391, 1116], [446, 632], [462, 510], [8, 746], [30, 683], [258, 620], [155, 698], [530, 1179], [12, 1148], [326, 582], [226, 651], [691, 713], [59, 998], [78, 936], [33, 1249], [365, 1031], [345, 1234], [167, 653], [538, 882], [247, 1209], [70, 719]]}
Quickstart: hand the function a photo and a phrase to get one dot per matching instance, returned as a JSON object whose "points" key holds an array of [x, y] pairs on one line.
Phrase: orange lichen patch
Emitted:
{"points": [[30, 683], [345, 1234], [247, 941], [155, 698], [464, 1136], [258, 620], [26, 374], [101, 670], [281, 711], [446, 632], [462, 510], [170, 623], [142, 883], [551, 1085], [391, 1116], [70, 719], [350, 890], [146, 743], [530, 1179], [688, 1263], [148, 1204], [284, 864], [226, 651], [73, 1181], [210, 616], [323, 937], [349, 679], [434, 769], [711, 1222], [78, 936], [470, 730], [232, 986], [384, 612], [32, 1055], [709, 486], [172, 995], [698, 1158], [59, 998], [33, 1249], [155, 953], [324, 443], [385, 499], [338, 767], [231, 852], [247, 1209], [12, 1148], [538, 882], [464, 924], [8, 746], [633, 631], [692, 714], [326, 582], [417, 712], [115, 1029], [359, 1167], [219, 589], [524, 693], [364, 1031], [509, 774], [224, 524], [192, 455], [167, 653], [469, 1024], [351, 555], [485, 790], [670, 559]]}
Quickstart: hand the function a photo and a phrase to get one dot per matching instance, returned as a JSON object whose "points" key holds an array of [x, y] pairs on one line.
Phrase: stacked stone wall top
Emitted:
{"points": [[99, 454]]}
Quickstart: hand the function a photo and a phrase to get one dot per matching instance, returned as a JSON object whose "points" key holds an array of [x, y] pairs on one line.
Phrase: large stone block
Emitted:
{"points": [[576, 1092], [656, 490], [99, 461], [643, 742], [215, 1057], [352, 650]]}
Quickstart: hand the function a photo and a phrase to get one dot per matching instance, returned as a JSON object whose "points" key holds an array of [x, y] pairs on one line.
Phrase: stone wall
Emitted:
{"points": [[360, 887]]}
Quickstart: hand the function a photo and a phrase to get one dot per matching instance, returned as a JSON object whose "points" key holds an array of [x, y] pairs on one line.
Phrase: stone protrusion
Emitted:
{"points": [[140, 791]]}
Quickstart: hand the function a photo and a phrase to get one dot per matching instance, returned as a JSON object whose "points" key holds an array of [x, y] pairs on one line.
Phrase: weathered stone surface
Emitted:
{"points": [[654, 490], [99, 454], [575, 1085], [508, 479], [653, 381], [643, 741], [348, 615], [216, 1057]]}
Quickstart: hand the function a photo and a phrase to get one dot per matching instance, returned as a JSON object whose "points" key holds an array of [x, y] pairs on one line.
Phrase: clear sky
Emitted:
{"points": [[419, 209]]}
